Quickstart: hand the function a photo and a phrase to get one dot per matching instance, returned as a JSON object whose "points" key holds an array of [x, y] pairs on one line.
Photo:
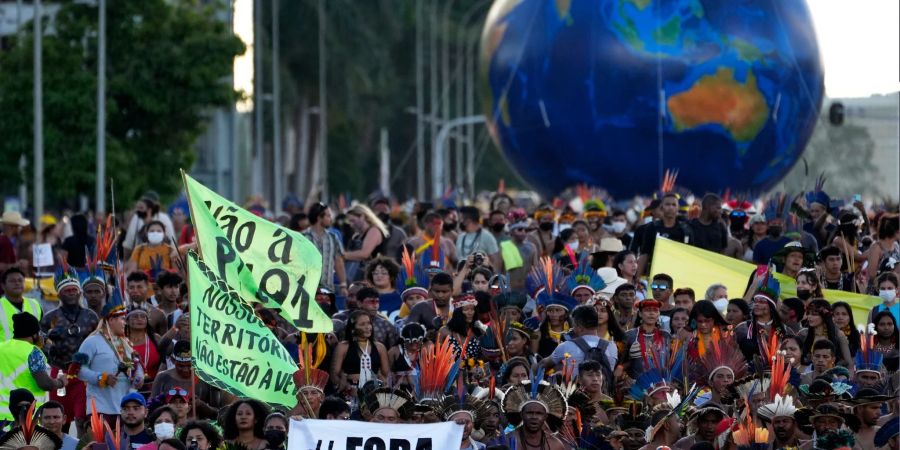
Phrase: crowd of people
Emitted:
{"points": [[534, 329]]}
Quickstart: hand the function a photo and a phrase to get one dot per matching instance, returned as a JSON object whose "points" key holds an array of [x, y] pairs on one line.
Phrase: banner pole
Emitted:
{"points": [[187, 193]]}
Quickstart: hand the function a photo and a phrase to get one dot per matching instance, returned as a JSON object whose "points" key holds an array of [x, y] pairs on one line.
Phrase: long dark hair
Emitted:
{"points": [[706, 309], [853, 337], [824, 310], [512, 364], [612, 324], [810, 275], [457, 324], [350, 328], [619, 259], [878, 317], [229, 422]]}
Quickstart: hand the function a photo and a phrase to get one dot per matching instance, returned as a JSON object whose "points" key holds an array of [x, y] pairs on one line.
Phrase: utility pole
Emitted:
{"points": [[100, 200], [433, 81], [38, 116], [257, 97], [277, 169], [420, 103], [323, 102]]}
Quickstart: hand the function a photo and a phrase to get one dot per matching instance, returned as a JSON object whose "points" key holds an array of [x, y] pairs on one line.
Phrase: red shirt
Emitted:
{"points": [[146, 351]]}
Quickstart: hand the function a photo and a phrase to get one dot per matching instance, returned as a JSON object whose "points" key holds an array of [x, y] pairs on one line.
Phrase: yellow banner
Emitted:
{"points": [[698, 269]]}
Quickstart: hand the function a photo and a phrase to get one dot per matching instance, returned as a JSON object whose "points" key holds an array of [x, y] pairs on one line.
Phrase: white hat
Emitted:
{"points": [[13, 218], [611, 279], [612, 245]]}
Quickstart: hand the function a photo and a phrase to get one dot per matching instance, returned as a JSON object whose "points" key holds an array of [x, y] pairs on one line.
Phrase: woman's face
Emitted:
{"points": [[803, 282], [276, 423], [720, 292], [582, 233], [245, 417], [480, 283], [137, 321], [194, 434], [840, 316], [468, 312], [511, 313], [164, 418], [363, 327], [760, 307], [649, 315], [679, 321], [515, 345], [813, 319], [518, 374], [555, 315], [628, 266], [381, 278], [792, 350], [885, 327], [181, 407], [704, 324], [358, 223], [602, 315], [734, 315], [887, 285]]}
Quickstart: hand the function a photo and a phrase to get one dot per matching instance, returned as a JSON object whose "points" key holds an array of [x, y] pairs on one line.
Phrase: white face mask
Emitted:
{"points": [[164, 430], [721, 304], [155, 237], [574, 246], [618, 227], [887, 294]]}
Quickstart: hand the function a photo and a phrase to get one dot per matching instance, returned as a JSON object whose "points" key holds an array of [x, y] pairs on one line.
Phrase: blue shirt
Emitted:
{"points": [[767, 248]]}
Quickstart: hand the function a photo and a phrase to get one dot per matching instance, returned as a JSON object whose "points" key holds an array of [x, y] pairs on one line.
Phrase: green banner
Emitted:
{"points": [[259, 259], [231, 348]]}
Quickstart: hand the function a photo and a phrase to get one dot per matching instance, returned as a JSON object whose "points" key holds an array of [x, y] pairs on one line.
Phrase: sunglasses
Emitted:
{"points": [[179, 392], [659, 287]]}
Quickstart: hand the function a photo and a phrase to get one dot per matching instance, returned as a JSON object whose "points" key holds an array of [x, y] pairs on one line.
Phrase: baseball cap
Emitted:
{"points": [[133, 397]]}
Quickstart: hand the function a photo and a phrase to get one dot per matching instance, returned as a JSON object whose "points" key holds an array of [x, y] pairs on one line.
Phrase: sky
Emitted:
{"points": [[860, 45]]}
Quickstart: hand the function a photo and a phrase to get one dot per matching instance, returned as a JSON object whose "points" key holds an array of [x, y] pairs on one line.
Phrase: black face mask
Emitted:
{"points": [[546, 226], [450, 226], [774, 231], [498, 227], [804, 294], [275, 438], [385, 217]]}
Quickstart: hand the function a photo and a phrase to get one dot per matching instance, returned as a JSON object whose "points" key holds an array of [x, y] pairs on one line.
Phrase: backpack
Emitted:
{"points": [[598, 354]]}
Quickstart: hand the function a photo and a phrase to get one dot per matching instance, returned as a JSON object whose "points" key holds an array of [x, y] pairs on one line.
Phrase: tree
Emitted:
{"points": [[168, 63]]}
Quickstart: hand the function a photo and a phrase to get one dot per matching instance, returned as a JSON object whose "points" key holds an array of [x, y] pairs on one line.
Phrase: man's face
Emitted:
{"points": [[822, 359], [70, 295], [591, 381], [784, 427], [684, 301], [385, 415], [868, 379], [370, 304], [518, 234], [669, 208], [15, 284], [441, 294], [133, 414], [464, 419], [793, 261], [661, 290], [497, 219], [533, 417], [53, 419], [714, 210], [137, 291], [869, 413], [706, 425], [582, 295], [816, 211], [170, 293], [625, 301], [722, 379], [94, 295], [183, 368], [117, 325], [833, 263], [826, 424]]}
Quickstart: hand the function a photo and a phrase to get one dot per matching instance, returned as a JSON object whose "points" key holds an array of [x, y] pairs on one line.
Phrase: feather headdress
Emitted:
{"points": [[818, 195], [437, 371], [545, 276], [665, 367], [309, 376], [29, 436], [65, 275], [780, 407], [535, 390], [584, 277], [412, 279], [721, 354], [432, 256], [867, 358], [374, 396]]}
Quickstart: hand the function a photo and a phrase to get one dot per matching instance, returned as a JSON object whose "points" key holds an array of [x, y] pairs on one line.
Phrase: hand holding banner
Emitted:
{"points": [[340, 435], [261, 260], [231, 348]]}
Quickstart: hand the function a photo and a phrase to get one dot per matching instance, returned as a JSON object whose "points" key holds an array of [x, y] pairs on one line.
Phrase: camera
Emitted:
{"points": [[193, 445], [478, 259]]}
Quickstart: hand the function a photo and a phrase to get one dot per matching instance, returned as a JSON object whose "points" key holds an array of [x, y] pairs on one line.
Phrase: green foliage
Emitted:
{"points": [[167, 65]]}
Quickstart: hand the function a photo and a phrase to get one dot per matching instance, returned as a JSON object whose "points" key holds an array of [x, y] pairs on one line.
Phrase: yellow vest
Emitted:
{"points": [[29, 305], [14, 374]]}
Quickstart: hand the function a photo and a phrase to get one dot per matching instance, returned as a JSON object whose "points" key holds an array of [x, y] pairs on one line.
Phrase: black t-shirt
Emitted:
{"points": [[76, 250], [681, 232], [712, 237]]}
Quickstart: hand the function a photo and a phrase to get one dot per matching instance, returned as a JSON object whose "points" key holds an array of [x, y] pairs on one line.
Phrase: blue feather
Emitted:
{"points": [[451, 377], [536, 381]]}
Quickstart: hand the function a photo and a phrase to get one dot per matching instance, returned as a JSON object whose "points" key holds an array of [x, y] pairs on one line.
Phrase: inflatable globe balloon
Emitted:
{"points": [[611, 93]]}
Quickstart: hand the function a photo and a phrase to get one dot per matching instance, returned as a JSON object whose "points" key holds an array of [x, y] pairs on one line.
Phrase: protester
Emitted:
{"points": [[24, 366]]}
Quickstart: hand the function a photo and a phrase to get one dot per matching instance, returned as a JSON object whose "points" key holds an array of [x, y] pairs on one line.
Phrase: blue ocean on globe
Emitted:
{"points": [[610, 93]]}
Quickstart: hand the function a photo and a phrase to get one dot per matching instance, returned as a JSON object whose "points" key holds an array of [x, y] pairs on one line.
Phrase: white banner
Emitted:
{"points": [[310, 434]]}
